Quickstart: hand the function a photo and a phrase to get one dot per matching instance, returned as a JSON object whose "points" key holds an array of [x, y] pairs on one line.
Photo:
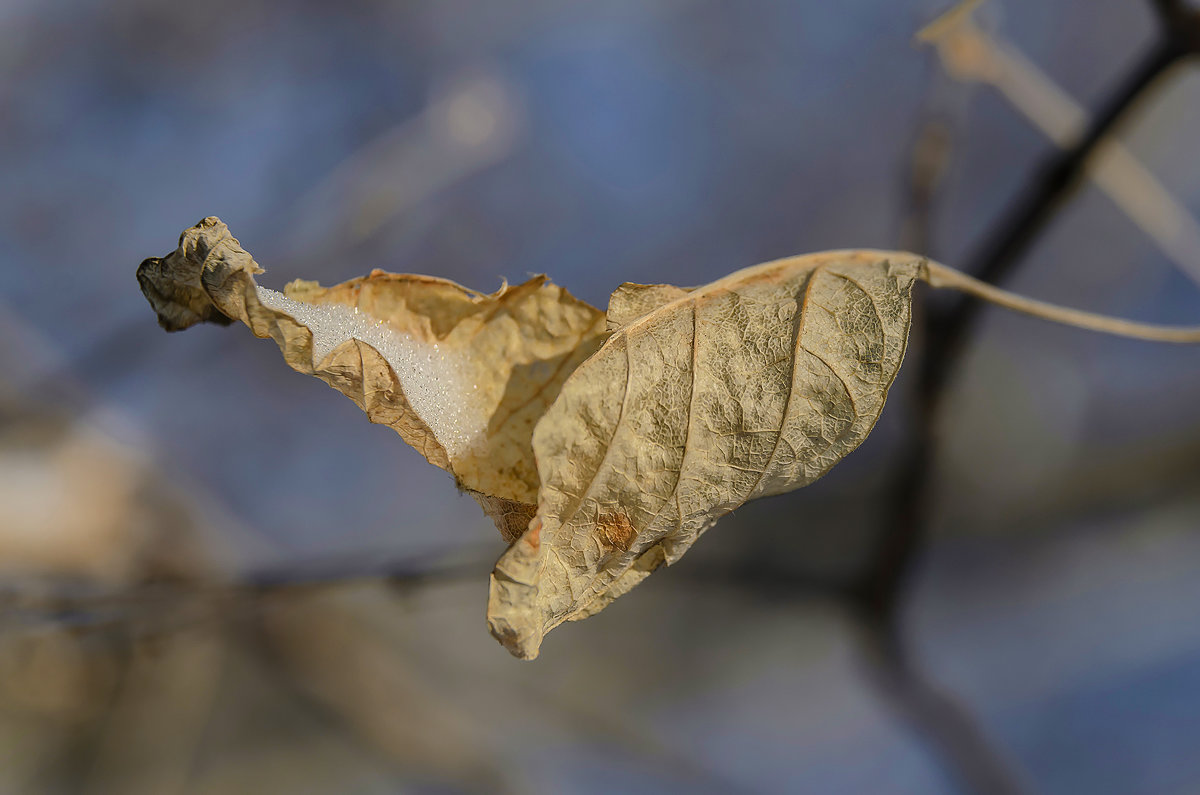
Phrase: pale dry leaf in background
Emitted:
{"points": [[70, 503], [462, 376], [700, 400]]}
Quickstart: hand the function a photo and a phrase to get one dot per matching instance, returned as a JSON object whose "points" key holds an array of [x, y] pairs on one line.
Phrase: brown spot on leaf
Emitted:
{"points": [[533, 537], [615, 531]]}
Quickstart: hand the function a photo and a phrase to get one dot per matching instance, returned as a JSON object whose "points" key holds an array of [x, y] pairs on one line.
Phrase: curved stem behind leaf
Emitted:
{"points": [[942, 277]]}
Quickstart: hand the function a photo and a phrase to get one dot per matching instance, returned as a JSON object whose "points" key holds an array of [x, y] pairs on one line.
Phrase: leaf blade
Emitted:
{"points": [[753, 385]]}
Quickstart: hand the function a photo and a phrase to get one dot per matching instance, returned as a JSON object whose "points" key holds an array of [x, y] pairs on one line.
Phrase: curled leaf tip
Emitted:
{"points": [[174, 284], [461, 375]]}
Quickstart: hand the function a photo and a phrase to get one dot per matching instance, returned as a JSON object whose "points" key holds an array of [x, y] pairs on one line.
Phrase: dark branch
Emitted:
{"points": [[971, 761], [1054, 185], [1180, 23], [161, 603]]}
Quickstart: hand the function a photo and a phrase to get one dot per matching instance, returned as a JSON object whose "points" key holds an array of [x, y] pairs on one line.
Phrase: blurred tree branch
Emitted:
{"points": [[1180, 24], [160, 606], [969, 54]]}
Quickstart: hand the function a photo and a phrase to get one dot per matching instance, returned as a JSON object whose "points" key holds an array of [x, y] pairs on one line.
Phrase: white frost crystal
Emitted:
{"points": [[440, 386]]}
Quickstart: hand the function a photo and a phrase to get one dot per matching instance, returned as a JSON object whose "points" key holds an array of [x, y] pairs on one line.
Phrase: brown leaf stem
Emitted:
{"points": [[940, 276]]}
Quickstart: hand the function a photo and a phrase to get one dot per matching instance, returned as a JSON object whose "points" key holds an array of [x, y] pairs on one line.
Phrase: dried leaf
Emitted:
{"points": [[700, 400], [600, 463], [463, 377]]}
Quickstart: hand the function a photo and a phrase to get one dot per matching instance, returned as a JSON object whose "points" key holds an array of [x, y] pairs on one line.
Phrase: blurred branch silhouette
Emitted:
{"points": [[167, 600], [969, 54]]}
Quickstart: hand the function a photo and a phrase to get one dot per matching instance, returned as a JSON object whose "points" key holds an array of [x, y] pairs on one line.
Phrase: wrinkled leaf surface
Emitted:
{"points": [[700, 400], [462, 376]]}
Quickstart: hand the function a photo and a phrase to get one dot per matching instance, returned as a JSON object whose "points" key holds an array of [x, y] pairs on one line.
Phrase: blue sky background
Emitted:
{"points": [[652, 141]]}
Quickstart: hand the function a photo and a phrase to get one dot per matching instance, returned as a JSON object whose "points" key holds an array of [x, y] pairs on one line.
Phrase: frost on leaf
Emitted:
{"points": [[462, 376], [700, 400]]}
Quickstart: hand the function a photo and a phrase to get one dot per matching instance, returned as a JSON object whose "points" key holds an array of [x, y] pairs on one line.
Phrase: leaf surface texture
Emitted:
{"points": [[462, 376], [700, 400]]}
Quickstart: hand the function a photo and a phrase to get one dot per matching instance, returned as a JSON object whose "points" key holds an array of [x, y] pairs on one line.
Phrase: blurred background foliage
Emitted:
{"points": [[216, 577]]}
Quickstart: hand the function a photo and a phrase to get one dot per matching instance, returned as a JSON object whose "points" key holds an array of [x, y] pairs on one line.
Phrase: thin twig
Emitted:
{"points": [[90, 608], [940, 276]]}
